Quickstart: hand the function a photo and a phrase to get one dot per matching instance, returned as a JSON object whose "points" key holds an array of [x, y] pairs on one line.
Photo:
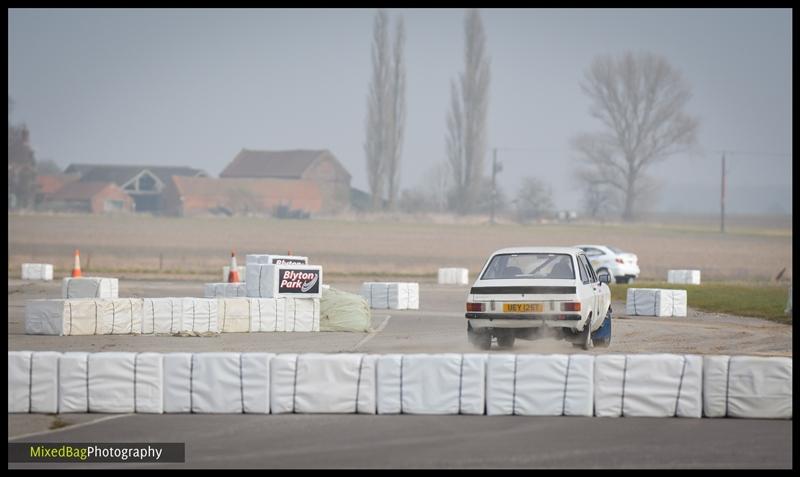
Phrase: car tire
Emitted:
{"points": [[505, 341], [586, 337], [604, 332], [480, 340]]}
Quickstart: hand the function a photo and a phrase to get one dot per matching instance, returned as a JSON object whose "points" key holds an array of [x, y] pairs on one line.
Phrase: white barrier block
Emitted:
{"points": [[686, 277], [121, 316], [654, 302], [111, 382], [44, 382], [37, 271], [376, 294], [413, 296], [234, 314], [149, 382], [44, 317], [453, 276], [19, 381], [391, 295], [431, 384], [282, 383], [657, 385], [225, 290], [73, 382], [748, 387], [177, 382], [200, 316], [302, 314], [256, 382], [540, 385], [89, 287], [217, 383], [162, 316], [266, 259], [267, 314], [398, 296]]}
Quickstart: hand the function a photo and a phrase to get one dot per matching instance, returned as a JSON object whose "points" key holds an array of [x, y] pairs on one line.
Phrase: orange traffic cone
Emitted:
{"points": [[76, 269], [233, 273]]}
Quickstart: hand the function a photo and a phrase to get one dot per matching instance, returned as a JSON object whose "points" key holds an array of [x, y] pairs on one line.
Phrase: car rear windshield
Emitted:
{"points": [[530, 265], [615, 250]]}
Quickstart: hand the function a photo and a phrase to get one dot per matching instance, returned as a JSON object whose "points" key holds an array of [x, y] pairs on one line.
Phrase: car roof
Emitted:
{"points": [[592, 246], [567, 250]]}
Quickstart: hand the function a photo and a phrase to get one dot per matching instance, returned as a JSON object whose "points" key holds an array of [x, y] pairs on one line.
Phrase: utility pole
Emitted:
{"points": [[722, 198]]}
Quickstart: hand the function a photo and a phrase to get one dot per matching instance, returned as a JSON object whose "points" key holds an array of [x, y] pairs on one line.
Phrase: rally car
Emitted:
{"points": [[533, 292]]}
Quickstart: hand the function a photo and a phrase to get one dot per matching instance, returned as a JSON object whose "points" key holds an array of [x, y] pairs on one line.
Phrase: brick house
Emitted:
{"points": [[91, 197]]}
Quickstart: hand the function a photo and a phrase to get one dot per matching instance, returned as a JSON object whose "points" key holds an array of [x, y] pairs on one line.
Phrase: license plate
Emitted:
{"points": [[522, 307]]}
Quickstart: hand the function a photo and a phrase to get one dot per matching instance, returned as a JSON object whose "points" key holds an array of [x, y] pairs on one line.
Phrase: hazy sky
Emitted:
{"points": [[193, 87]]}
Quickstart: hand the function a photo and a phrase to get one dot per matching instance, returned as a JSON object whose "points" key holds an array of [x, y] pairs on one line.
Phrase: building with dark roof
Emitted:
{"points": [[319, 166], [145, 184]]}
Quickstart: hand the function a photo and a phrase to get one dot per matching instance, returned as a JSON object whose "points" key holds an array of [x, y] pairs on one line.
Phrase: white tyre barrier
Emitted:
{"points": [[234, 315], [125, 382], [655, 302], [302, 314], [747, 386], [256, 382], [73, 382], [89, 287], [685, 277], [267, 314], [117, 316], [323, 383], [200, 316], [540, 385], [431, 384], [19, 381], [37, 271], [178, 382], [391, 295], [453, 276], [657, 385], [217, 383], [162, 316], [225, 290]]}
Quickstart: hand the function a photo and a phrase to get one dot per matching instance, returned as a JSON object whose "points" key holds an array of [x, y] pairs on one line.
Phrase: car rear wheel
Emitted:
{"points": [[586, 336], [505, 340], [602, 337], [479, 339]]}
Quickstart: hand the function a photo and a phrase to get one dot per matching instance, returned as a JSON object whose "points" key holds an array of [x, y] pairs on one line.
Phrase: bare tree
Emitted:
{"points": [[466, 121], [640, 100], [378, 109], [398, 116], [533, 200], [21, 165]]}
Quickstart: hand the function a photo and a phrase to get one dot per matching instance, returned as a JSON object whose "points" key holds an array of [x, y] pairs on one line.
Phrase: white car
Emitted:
{"points": [[623, 267], [533, 292]]}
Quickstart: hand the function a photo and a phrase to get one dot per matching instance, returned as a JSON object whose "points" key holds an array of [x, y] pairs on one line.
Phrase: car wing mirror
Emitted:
{"points": [[604, 278]]}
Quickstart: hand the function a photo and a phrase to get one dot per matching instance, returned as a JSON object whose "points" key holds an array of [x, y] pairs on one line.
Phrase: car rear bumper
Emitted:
{"points": [[509, 320]]}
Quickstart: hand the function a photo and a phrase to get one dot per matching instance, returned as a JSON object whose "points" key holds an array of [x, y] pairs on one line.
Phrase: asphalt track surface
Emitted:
{"points": [[361, 441]]}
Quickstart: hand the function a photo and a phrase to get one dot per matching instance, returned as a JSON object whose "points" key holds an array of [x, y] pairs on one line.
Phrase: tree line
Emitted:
{"points": [[639, 100]]}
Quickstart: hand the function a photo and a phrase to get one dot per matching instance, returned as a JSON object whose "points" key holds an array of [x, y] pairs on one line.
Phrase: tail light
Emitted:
{"points": [[570, 307], [619, 260], [476, 306]]}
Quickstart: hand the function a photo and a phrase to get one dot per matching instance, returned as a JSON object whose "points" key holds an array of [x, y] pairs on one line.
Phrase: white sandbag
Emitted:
{"points": [[44, 382], [225, 290], [453, 276], [19, 381], [73, 382], [44, 317], [256, 382], [267, 259], [323, 383], [376, 294], [111, 382], [267, 314], [82, 316], [200, 316], [656, 302], [290, 281], [648, 385], [37, 271], [413, 295], [177, 382], [226, 271], [431, 384], [234, 315], [398, 296], [687, 277], [540, 385], [149, 388], [121, 316], [89, 287], [747, 386], [302, 314], [217, 383], [162, 316]]}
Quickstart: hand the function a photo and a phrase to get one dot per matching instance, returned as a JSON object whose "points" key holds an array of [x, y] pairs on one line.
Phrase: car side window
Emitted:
{"points": [[593, 252], [582, 269], [589, 271]]}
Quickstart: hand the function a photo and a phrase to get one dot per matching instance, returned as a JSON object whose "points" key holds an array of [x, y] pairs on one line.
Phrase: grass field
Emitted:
{"points": [[745, 299], [201, 246]]}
